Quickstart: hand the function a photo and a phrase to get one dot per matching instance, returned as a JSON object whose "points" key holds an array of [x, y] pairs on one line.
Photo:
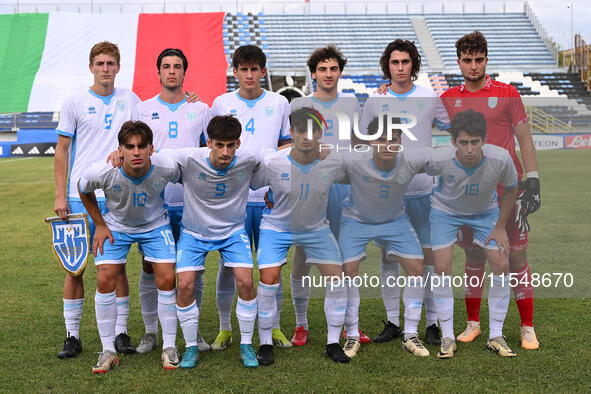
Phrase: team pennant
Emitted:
{"points": [[70, 239]]}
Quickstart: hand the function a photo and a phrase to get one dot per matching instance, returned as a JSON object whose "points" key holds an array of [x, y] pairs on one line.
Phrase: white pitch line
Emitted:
{"points": [[13, 160]]}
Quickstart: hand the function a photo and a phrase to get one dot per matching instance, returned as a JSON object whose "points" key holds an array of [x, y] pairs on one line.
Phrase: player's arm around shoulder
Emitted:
{"points": [[170, 166]]}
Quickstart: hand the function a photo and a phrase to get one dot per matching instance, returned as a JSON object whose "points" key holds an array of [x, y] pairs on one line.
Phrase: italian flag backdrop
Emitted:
{"points": [[44, 57]]}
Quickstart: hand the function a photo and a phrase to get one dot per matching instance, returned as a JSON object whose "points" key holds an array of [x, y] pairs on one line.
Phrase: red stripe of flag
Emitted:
{"points": [[200, 38]]}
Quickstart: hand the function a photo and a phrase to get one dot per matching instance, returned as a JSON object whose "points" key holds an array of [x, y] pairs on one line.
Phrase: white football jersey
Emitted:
{"points": [[215, 200], [136, 205], [428, 108], [346, 104], [470, 191], [377, 196], [93, 122], [180, 125], [300, 192], [264, 120]]}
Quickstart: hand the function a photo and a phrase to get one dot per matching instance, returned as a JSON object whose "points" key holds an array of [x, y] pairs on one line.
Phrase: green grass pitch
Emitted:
{"points": [[32, 328]]}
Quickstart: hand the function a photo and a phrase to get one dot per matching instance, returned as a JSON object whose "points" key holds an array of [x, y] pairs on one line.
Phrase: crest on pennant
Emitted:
{"points": [[70, 241]]}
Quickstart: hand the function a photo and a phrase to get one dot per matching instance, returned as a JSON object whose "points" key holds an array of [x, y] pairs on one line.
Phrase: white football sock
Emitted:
{"points": [[149, 302], [72, 315], [106, 316], [300, 296], [246, 312], [279, 299], [352, 312], [498, 303], [335, 304], [412, 297], [198, 290], [225, 291], [189, 319], [430, 308], [389, 272], [444, 299], [267, 309], [167, 315], [122, 315]]}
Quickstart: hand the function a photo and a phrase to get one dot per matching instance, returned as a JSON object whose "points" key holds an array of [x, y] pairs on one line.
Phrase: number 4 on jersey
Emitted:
{"points": [[250, 126]]}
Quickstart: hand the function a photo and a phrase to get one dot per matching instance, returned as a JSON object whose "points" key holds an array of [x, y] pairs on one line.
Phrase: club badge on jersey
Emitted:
{"points": [[70, 239]]}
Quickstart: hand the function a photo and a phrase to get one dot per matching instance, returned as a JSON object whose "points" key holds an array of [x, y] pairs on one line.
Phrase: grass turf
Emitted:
{"points": [[32, 328]]}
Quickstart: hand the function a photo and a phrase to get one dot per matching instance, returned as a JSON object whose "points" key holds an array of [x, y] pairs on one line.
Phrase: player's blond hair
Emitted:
{"points": [[107, 48]]}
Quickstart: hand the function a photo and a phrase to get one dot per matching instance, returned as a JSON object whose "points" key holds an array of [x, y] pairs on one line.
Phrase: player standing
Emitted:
{"points": [[469, 173], [87, 133], [175, 123], [326, 67], [506, 120], [216, 182], [264, 116], [374, 212], [401, 64], [300, 184], [134, 199]]}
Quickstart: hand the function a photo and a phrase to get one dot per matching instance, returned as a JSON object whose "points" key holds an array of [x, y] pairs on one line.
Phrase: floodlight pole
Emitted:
{"points": [[572, 37]]}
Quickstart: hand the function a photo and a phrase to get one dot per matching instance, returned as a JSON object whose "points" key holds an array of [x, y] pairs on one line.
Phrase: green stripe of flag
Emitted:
{"points": [[22, 38]]}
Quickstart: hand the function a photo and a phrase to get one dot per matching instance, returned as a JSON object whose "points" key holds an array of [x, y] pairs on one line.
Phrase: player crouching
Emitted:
{"points": [[134, 198], [468, 176]]}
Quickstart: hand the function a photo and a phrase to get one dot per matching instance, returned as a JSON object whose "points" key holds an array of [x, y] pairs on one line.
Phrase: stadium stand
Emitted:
{"points": [[513, 42], [362, 38]]}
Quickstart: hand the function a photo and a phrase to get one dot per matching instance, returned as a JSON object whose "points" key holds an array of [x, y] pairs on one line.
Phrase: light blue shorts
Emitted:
{"points": [[417, 208], [158, 246], [398, 237], [320, 247], [191, 251], [445, 226], [175, 215]]}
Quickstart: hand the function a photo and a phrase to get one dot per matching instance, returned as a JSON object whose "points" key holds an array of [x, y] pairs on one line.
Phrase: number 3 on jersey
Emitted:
{"points": [[250, 126]]}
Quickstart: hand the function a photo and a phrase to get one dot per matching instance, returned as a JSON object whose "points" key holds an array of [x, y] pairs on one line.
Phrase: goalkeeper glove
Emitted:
{"points": [[528, 202]]}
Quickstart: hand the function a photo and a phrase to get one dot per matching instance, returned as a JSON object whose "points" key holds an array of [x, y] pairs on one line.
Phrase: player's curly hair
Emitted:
{"points": [[139, 128], [298, 119], [374, 124], [172, 52], [402, 46], [104, 47], [247, 55], [224, 128], [326, 53], [471, 122], [474, 42]]}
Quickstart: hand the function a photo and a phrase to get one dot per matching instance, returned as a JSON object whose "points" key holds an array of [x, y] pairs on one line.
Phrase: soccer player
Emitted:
{"points": [[300, 185], [326, 66], [506, 120], [468, 176], [264, 116], [176, 123], [374, 212], [216, 181], [134, 199], [401, 63], [87, 132]]}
